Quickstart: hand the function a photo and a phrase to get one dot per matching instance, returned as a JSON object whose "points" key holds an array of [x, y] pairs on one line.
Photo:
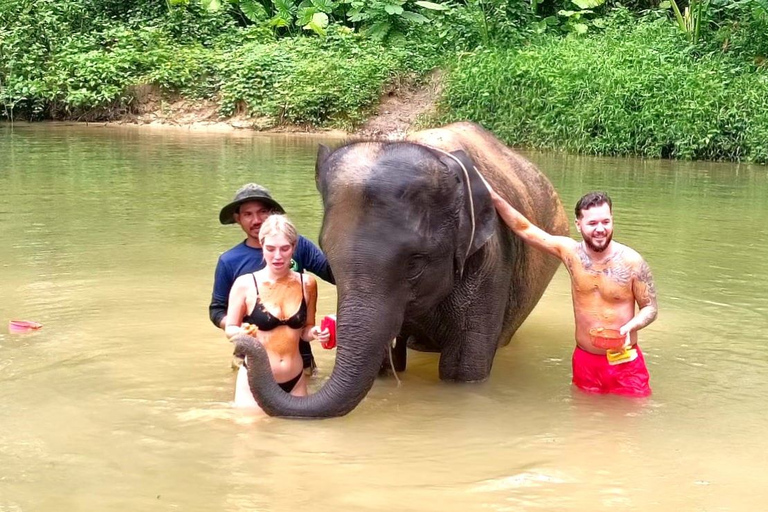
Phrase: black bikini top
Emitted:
{"points": [[266, 321]]}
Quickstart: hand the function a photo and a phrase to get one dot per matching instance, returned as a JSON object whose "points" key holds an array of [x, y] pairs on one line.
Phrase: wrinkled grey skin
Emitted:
{"points": [[413, 256]]}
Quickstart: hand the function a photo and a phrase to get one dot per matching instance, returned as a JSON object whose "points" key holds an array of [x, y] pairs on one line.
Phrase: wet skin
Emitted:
{"points": [[280, 292], [608, 279]]}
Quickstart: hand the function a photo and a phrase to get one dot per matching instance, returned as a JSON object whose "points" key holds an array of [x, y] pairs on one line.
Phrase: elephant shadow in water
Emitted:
{"points": [[419, 254]]}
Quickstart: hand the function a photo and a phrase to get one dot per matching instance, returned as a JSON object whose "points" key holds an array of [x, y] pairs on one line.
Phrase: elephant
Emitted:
{"points": [[418, 251]]}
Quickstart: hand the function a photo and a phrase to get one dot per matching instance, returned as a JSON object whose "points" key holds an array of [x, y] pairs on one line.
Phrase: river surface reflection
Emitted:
{"points": [[121, 402]]}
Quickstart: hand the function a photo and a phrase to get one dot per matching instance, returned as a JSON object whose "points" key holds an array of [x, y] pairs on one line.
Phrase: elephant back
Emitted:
{"points": [[526, 188]]}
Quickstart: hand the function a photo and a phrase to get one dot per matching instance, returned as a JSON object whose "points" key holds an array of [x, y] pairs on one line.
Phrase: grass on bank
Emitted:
{"points": [[639, 87], [636, 89], [332, 81]]}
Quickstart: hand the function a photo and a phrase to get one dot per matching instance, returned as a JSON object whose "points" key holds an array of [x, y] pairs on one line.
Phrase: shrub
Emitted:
{"points": [[638, 90], [307, 81]]}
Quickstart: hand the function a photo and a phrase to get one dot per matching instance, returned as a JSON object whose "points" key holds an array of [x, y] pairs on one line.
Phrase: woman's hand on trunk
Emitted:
{"points": [[233, 330]]}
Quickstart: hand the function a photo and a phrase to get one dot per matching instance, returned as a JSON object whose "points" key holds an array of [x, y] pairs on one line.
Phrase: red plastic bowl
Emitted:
{"points": [[607, 338], [329, 322]]}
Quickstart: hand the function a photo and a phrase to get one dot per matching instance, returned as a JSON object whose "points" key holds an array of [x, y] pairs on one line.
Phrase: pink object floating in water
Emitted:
{"points": [[23, 326]]}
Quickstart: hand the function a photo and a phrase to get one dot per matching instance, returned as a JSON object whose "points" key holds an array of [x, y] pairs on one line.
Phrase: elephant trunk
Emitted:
{"points": [[365, 327]]}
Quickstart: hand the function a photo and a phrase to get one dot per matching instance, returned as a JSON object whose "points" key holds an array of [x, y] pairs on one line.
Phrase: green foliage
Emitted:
{"points": [[299, 81], [632, 87], [465, 26], [50, 69], [690, 20], [742, 28], [386, 19], [574, 16], [628, 91]]}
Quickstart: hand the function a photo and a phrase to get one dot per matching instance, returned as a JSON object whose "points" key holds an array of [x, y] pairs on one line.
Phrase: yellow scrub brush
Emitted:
{"points": [[621, 356]]}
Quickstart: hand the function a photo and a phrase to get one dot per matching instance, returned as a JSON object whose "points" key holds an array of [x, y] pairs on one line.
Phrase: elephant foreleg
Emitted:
{"points": [[470, 323], [469, 357]]}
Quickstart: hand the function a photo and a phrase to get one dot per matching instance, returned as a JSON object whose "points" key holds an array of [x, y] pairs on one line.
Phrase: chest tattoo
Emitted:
{"points": [[614, 268]]}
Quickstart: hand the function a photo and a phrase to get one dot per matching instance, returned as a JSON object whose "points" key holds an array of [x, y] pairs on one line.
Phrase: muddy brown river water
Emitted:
{"points": [[109, 237]]}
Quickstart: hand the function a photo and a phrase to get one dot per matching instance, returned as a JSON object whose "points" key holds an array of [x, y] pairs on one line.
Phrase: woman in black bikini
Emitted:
{"points": [[276, 305]]}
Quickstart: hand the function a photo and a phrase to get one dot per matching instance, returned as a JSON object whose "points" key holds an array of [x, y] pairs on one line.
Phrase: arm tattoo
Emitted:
{"points": [[648, 295], [645, 296]]}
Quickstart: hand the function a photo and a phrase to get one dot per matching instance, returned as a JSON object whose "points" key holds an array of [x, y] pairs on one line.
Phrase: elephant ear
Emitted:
{"points": [[477, 215], [323, 152]]}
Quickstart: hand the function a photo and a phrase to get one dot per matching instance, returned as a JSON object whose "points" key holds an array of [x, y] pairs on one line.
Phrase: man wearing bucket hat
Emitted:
{"points": [[250, 207]]}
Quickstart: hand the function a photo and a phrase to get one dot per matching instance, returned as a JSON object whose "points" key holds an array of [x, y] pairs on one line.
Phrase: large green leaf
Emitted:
{"points": [[580, 28], [285, 7], [415, 17], [211, 5], [325, 6], [279, 21], [431, 5], [304, 15], [318, 23], [356, 15], [253, 10], [379, 30], [588, 4]]}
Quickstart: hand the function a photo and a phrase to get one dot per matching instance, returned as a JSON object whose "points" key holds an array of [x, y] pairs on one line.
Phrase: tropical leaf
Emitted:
{"points": [[415, 17], [320, 19], [580, 28], [318, 23], [355, 17], [379, 30], [285, 7], [431, 6], [211, 5], [304, 16], [588, 4], [279, 22], [253, 10], [393, 9], [325, 6], [540, 26]]}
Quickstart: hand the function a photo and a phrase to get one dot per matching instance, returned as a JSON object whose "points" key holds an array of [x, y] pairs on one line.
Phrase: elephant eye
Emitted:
{"points": [[416, 266]]}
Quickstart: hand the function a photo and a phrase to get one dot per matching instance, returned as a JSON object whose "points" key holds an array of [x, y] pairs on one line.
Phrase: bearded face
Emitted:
{"points": [[596, 227]]}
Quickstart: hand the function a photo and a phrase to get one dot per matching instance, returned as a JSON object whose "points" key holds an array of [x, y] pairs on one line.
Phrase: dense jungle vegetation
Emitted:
{"points": [[659, 78]]}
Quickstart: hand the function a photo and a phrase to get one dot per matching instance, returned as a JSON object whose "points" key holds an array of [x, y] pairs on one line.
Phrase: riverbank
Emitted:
{"points": [[404, 106], [628, 83]]}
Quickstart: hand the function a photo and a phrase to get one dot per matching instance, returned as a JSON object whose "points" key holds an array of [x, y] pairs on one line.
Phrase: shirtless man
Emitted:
{"points": [[607, 280]]}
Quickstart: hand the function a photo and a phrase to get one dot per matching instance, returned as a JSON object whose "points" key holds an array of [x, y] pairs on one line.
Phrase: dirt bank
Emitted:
{"points": [[400, 108]]}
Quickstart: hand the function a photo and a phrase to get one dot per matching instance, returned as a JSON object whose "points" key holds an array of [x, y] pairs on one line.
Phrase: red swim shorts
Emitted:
{"points": [[593, 374]]}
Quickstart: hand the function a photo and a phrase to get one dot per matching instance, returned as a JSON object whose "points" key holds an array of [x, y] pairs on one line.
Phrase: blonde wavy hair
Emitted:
{"points": [[278, 224]]}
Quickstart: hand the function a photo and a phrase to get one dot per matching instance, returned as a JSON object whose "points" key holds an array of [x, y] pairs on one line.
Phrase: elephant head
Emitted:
{"points": [[401, 221]]}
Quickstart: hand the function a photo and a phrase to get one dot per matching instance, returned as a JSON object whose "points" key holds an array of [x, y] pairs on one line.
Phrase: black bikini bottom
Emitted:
{"points": [[288, 385]]}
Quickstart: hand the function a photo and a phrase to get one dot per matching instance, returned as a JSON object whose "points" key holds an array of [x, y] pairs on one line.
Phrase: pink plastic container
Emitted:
{"points": [[18, 326], [329, 322]]}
